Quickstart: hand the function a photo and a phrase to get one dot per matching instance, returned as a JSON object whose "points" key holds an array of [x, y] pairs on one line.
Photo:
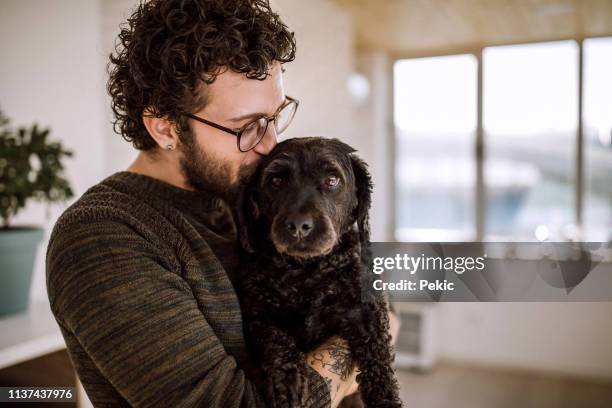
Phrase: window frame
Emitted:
{"points": [[480, 207]]}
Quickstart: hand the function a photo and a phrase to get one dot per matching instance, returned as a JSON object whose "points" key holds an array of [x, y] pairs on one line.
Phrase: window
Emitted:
{"points": [[597, 136], [435, 120], [536, 184], [530, 122]]}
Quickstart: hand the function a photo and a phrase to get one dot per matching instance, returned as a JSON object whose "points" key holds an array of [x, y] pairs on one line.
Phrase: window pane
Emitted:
{"points": [[530, 120], [598, 139], [435, 120]]}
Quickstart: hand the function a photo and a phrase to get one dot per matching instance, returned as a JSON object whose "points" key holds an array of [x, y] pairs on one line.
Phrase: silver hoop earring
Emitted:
{"points": [[169, 147]]}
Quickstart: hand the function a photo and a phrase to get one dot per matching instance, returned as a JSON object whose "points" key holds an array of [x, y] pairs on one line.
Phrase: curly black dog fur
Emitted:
{"points": [[303, 222]]}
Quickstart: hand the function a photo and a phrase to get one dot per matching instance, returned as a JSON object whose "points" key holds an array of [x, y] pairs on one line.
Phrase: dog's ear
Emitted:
{"points": [[363, 184], [247, 213]]}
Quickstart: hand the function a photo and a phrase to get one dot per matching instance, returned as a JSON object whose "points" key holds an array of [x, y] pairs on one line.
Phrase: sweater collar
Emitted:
{"points": [[150, 188]]}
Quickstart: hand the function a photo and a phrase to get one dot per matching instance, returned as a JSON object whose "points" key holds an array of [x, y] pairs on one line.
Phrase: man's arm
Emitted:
{"points": [[139, 322]]}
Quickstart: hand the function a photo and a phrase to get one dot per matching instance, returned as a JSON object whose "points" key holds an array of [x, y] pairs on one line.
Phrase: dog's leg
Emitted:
{"points": [[371, 348], [283, 363]]}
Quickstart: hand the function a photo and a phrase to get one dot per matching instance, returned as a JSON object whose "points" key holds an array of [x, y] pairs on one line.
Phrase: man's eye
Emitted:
{"points": [[277, 182], [332, 181]]}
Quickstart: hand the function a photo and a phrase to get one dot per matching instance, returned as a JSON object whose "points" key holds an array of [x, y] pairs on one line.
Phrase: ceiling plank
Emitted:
{"points": [[427, 27]]}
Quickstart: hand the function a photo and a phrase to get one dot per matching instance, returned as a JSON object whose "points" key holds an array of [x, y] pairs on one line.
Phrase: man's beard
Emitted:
{"points": [[204, 172]]}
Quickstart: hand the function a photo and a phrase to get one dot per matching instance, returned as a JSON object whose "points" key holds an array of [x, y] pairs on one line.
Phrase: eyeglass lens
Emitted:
{"points": [[253, 134]]}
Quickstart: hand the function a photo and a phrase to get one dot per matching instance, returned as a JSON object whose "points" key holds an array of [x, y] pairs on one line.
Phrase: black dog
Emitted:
{"points": [[303, 222]]}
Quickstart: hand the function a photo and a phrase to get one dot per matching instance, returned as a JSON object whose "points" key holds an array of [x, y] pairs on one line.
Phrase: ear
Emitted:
{"points": [[161, 129], [247, 213], [363, 183]]}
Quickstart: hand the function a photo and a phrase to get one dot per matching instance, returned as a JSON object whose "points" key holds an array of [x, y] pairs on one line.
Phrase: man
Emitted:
{"points": [[141, 269]]}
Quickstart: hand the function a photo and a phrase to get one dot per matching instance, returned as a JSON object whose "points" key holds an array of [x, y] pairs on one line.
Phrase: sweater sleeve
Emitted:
{"points": [[140, 324]]}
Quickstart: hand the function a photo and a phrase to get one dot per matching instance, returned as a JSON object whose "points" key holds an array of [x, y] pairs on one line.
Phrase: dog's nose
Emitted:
{"points": [[300, 225]]}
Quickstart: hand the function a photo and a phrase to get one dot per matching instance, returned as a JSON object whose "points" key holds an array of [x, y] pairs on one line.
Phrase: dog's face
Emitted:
{"points": [[305, 195]]}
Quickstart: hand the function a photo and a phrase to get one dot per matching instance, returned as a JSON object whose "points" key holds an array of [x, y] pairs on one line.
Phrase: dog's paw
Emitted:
{"points": [[287, 386]]}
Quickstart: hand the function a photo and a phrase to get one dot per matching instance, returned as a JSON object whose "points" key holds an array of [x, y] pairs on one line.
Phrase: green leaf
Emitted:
{"points": [[19, 178]]}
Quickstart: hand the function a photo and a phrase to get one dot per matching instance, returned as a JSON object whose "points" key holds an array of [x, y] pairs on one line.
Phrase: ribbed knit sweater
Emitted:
{"points": [[141, 278]]}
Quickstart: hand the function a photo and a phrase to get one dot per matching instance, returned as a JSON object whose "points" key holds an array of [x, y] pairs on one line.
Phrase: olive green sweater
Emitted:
{"points": [[141, 277]]}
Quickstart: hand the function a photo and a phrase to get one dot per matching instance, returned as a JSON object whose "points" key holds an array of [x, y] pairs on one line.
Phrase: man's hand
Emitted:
{"points": [[333, 362]]}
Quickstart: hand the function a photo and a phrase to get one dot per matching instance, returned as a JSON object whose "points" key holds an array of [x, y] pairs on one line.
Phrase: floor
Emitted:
{"points": [[446, 386], [454, 386]]}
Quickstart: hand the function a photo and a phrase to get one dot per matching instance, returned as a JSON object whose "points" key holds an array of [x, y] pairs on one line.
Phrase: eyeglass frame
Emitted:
{"points": [[238, 132]]}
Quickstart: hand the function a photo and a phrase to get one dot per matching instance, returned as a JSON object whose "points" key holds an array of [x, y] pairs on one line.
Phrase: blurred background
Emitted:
{"points": [[482, 120]]}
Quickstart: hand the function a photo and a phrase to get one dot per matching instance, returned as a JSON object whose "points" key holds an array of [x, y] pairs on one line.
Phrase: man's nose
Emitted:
{"points": [[269, 140]]}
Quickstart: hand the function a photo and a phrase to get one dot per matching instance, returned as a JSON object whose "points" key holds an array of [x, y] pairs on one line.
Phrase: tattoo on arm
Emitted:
{"points": [[341, 362]]}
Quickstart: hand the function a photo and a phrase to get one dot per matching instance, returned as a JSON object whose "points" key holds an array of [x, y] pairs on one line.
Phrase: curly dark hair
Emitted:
{"points": [[169, 50]]}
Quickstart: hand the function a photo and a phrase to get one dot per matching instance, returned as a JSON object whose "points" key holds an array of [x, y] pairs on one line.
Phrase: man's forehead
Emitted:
{"points": [[236, 94]]}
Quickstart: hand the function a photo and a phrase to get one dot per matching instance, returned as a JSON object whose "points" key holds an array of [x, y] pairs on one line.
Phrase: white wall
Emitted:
{"points": [[120, 153], [318, 76], [564, 338], [51, 73], [374, 134]]}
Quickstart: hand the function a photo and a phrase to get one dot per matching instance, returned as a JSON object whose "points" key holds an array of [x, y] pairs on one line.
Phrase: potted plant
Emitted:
{"points": [[30, 168]]}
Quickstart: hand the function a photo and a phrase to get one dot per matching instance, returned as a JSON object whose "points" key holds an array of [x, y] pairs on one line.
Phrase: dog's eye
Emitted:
{"points": [[276, 182], [332, 181]]}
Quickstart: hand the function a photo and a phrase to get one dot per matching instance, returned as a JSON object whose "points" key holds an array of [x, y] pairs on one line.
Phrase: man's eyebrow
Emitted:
{"points": [[247, 116], [254, 115]]}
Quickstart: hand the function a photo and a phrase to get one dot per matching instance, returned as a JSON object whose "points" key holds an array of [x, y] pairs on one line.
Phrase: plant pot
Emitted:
{"points": [[18, 247]]}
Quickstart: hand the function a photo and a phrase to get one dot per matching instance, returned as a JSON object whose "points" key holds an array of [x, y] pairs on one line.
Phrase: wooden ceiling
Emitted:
{"points": [[426, 27]]}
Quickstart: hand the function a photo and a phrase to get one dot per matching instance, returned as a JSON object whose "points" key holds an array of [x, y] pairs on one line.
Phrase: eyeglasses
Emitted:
{"points": [[253, 132]]}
